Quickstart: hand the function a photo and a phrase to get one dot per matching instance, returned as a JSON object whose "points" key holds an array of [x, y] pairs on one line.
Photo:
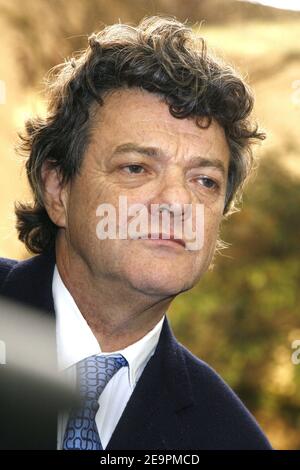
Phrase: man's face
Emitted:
{"points": [[139, 151]]}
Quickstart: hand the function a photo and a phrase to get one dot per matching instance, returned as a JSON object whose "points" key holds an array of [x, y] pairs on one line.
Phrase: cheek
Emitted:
{"points": [[82, 221], [212, 220], [86, 194]]}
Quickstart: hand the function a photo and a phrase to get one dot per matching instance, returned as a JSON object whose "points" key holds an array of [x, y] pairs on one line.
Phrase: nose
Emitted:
{"points": [[173, 190]]}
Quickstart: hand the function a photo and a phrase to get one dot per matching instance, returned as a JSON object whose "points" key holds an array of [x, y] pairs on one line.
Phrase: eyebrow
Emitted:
{"points": [[155, 152], [131, 147]]}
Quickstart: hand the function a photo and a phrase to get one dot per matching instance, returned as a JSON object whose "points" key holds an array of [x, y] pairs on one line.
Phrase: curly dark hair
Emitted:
{"points": [[160, 55]]}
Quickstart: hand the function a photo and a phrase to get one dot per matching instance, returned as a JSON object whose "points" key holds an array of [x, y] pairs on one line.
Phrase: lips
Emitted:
{"points": [[159, 236]]}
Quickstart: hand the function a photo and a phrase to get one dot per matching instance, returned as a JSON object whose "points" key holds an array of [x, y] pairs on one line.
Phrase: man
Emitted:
{"points": [[147, 115]]}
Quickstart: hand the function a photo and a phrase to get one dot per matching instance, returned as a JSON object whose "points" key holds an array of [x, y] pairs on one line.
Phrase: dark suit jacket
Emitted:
{"points": [[179, 401]]}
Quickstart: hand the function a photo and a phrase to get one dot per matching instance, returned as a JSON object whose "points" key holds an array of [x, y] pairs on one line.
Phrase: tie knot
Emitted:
{"points": [[94, 372]]}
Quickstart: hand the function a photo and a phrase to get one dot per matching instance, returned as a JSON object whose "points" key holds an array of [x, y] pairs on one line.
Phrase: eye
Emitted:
{"points": [[208, 182], [133, 169]]}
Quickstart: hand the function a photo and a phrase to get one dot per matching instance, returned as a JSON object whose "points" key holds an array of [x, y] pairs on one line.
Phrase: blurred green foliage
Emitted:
{"points": [[244, 314]]}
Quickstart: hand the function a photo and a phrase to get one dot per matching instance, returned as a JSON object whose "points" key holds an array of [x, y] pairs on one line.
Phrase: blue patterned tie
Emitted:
{"points": [[93, 373]]}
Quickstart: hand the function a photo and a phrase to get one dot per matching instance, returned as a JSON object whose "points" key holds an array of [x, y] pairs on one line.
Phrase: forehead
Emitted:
{"points": [[143, 117]]}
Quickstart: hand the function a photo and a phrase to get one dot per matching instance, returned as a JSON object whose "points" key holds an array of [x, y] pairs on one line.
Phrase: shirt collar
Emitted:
{"points": [[76, 341]]}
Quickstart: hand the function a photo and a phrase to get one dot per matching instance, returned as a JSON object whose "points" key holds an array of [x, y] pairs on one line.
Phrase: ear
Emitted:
{"points": [[55, 195]]}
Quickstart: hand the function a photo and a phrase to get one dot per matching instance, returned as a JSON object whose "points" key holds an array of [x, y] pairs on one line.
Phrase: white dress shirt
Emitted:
{"points": [[76, 341]]}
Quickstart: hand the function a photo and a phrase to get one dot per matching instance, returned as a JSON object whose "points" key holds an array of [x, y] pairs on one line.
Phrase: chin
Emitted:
{"points": [[161, 286]]}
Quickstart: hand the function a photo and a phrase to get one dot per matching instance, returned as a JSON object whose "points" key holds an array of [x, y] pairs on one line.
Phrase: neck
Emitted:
{"points": [[117, 315]]}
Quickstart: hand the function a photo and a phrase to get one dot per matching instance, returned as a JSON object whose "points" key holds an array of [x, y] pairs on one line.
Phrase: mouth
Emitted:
{"points": [[163, 239]]}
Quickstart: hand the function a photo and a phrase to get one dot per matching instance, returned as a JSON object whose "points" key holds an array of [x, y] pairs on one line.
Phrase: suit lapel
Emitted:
{"points": [[30, 282], [152, 418]]}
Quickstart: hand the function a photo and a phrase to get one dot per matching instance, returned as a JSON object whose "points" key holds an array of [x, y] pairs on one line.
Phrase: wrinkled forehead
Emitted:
{"points": [[142, 117]]}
